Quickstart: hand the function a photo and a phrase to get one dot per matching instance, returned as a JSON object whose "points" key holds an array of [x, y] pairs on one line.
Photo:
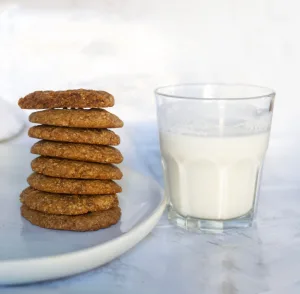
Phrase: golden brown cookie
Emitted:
{"points": [[73, 169], [75, 135], [77, 118], [80, 98], [77, 151], [71, 186], [65, 203], [84, 222]]}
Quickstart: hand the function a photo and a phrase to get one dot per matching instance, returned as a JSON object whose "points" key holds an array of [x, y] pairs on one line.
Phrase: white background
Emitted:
{"points": [[129, 47]]}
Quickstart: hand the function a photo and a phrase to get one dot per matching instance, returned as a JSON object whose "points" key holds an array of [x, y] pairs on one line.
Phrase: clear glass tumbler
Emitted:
{"points": [[213, 140]]}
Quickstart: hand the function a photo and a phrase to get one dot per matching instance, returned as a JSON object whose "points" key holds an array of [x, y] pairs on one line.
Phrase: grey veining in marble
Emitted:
{"points": [[264, 259]]}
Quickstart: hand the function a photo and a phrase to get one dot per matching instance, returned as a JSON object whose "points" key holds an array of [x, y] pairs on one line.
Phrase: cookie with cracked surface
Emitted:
{"points": [[74, 135], [65, 203], [78, 151], [79, 98], [77, 118], [72, 186], [73, 169], [84, 222]]}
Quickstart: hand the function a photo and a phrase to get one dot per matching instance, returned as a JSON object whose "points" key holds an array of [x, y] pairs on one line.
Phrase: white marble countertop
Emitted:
{"points": [[263, 259]]}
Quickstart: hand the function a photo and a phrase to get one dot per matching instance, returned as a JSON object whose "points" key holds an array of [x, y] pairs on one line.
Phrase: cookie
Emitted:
{"points": [[77, 151], [65, 203], [75, 135], [83, 222], [66, 168], [71, 186], [80, 98], [77, 118]]}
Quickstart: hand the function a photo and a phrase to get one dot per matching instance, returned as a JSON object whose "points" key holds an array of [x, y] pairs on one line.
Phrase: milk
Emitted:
{"points": [[212, 177]]}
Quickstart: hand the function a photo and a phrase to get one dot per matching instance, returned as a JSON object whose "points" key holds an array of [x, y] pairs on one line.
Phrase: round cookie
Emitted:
{"points": [[77, 118], [80, 98], [78, 151], [71, 186], [84, 222], [73, 169], [75, 135], [67, 204]]}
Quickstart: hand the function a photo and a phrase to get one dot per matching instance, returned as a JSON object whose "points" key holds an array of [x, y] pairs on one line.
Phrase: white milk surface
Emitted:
{"points": [[212, 177]]}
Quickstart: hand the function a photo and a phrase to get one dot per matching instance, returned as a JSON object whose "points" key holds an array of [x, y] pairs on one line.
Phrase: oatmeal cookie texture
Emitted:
{"points": [[77, 151], [67, 203], [79, 98], [83, 222], [75, 135], [77, 118], [73, 169], [72, 186]]}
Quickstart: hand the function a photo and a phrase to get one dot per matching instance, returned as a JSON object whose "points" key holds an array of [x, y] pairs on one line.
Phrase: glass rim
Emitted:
{"points": [[269, 92]]}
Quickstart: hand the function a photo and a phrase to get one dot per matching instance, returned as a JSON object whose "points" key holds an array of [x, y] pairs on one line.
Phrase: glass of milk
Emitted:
{"points": [[213, 140]]}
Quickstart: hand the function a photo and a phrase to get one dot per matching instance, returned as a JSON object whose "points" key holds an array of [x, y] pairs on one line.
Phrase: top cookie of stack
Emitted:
{"points": [[80, 98], [75, 160]]}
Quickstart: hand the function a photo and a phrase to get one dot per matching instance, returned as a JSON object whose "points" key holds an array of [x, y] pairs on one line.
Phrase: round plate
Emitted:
{"points": [[30, 254]]}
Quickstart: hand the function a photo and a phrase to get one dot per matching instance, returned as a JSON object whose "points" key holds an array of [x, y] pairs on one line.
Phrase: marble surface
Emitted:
{"points": [[264, 259]]}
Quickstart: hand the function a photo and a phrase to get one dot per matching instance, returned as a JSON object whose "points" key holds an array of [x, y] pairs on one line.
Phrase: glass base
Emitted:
{"points": [[197, 224]]}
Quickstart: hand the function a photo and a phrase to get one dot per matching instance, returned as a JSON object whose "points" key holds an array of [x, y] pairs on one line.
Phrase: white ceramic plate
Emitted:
{"points": [[30, 254]]}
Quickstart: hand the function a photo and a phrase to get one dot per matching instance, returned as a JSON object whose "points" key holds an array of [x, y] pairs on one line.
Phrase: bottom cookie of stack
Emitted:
{"points": [[69, 212], [84, 222]]}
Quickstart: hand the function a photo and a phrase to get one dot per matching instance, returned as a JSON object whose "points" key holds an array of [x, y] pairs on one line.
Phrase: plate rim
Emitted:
{"points": [[161, 206]]}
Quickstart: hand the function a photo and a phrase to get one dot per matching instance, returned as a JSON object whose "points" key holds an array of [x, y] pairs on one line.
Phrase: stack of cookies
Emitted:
{"points": [[72, 185]]}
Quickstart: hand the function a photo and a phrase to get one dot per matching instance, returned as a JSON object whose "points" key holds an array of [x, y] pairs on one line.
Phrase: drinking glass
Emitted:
{"points": [[213, 140]]}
